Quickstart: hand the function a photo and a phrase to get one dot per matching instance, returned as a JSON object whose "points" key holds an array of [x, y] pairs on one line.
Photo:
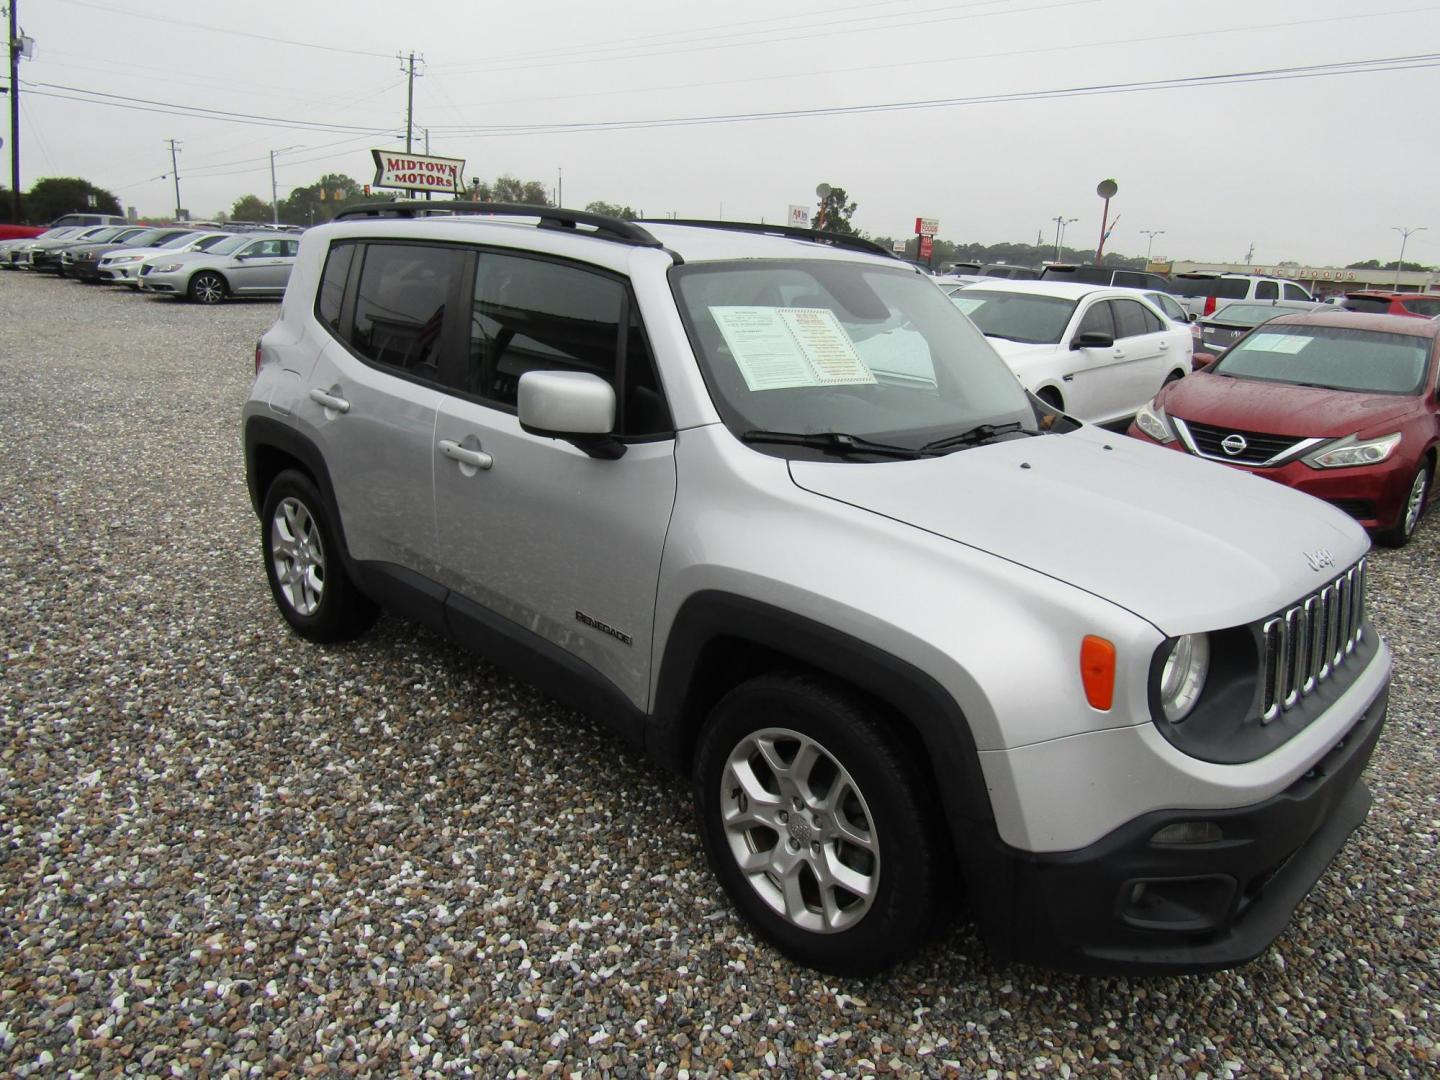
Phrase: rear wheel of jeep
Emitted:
{"points": [[302, 563], [813, 821]]}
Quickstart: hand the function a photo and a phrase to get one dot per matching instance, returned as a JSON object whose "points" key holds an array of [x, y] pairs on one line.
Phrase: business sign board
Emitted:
{"points": [[417, 172], [800, 216], [927, 226], [927, 248], [898, 246]]}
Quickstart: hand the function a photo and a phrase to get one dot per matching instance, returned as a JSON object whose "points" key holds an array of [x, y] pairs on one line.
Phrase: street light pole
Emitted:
{"points": [[1404, 236], [1060, 223], [1151, 233]]}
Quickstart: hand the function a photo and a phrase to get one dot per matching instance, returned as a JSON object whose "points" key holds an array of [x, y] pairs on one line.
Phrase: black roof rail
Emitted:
{"points": [[551, 217], [816, 236]]}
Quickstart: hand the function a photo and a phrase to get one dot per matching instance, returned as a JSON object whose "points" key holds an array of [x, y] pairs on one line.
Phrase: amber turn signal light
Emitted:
{"points": [[1097, 671]]}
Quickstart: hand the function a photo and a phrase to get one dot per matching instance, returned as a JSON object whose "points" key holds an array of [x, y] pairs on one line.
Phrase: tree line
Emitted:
{"points": [[319, 202]]}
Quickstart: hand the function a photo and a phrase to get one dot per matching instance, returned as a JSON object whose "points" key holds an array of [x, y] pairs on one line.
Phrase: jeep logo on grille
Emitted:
{"points": [[1319, 559], [1233, 444]]}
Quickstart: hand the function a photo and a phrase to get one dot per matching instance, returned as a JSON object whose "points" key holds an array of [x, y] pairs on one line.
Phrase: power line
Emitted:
{"points": [[647, 40], [807, 34], [1352, 67], [169, 20], [1109, 42]]}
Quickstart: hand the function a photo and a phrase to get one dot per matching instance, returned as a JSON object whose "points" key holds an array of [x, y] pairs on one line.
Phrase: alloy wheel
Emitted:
{"points": [[800, 830], [297, 555]]}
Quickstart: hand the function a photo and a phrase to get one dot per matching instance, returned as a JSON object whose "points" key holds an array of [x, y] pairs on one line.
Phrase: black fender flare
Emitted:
{"points": [[263, 433], [932, 711]]}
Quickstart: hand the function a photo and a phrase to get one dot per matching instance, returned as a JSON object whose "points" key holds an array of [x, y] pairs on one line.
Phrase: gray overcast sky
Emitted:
{"points": [[1317, 169]]}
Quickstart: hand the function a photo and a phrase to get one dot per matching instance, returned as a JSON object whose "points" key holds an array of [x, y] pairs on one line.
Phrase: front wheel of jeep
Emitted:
{"points": [[813, 820]]}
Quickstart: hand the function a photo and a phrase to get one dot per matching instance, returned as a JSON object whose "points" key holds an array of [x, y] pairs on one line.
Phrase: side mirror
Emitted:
{"points": [[1193, 317], [1201, 360], [1093, 339], [571, 405]]}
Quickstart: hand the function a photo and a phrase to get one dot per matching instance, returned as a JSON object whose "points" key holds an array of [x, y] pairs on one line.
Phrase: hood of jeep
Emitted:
{"points": [[1186, 544]]}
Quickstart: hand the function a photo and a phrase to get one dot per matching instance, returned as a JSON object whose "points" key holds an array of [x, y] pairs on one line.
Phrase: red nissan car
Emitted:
{"points": [[1340, 405]]}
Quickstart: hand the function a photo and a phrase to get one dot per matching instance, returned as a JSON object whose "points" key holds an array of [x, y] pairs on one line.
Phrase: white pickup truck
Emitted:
{"points": [[1202, 293]]}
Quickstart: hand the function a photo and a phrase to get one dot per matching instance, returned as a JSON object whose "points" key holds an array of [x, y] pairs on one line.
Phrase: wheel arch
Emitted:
{"points": [[719, 640], [271, 447]]}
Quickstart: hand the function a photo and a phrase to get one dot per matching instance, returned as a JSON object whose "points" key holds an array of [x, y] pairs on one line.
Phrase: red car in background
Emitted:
{"points": [[1376, 302], [1340, 405]]}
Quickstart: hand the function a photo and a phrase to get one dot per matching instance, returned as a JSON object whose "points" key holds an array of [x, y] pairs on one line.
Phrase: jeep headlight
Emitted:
{"points": [[1151, 419], [1353, 451], [1183, 677]]}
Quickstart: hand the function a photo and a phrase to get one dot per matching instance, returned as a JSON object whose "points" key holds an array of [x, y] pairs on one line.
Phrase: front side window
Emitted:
{"points": [[1098, 320], [400, 305], [824, 347], [532, 314], [1130, 319], [1428, 308], [1330, 357], [1295, 292]]}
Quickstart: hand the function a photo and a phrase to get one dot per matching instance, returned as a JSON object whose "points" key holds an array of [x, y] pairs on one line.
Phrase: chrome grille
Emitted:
{"points": [[1307, 643]]}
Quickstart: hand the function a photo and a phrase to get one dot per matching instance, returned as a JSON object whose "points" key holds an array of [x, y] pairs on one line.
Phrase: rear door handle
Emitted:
{"points": [[476, 459], [329, 400]]}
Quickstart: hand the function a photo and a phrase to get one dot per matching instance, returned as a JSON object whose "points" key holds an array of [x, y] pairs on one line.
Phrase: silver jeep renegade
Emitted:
{"points": [[766, 502]]}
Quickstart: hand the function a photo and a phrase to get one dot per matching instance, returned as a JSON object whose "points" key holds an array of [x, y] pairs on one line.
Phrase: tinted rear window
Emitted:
{"points": [[1090, 275], [1225, 288], [1427, 307], [1371, 305]]}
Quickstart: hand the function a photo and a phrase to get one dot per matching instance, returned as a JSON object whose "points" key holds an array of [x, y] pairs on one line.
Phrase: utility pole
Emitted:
{"points": [[1151, 233], [408, 65], [1404, 236], [559, 186], [175, 172], [274, 195], [15, 110]]}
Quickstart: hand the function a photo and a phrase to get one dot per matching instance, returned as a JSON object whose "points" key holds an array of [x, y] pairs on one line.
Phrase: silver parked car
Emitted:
{"points": [[245, 265], [775, 510]]}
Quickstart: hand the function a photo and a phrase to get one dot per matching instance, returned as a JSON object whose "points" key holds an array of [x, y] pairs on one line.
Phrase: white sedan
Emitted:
{"points": [[1097, 353]]}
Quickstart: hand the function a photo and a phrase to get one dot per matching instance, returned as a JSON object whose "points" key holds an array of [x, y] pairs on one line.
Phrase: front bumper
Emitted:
{"points": [[170, 283], [1374, 495], [1128, 904]]}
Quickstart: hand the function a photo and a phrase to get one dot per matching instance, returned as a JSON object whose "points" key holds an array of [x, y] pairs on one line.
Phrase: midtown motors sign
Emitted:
{"points": [[413, 172]]}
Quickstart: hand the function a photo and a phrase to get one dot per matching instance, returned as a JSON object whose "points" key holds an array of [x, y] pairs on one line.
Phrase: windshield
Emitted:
{"points": [[1035, 320], [1248, 314], [822, 346], [226, 246], [179, 240], [1332, 357], [208, 243], [145, 238]]}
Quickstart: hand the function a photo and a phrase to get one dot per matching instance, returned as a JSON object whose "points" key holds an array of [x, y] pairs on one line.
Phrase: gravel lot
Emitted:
{"points": [[228, 852]]}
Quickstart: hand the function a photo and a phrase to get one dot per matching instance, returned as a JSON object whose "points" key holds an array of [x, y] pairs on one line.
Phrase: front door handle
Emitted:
{"points": [[476, 459], [329, 400]]}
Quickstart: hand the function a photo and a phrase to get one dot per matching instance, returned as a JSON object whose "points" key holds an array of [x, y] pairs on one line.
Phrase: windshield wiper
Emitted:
{"points": [[832, 442], [980, 433]]}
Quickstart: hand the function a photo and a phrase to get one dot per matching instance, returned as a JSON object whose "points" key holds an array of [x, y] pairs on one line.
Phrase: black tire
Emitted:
{"points": [[207, 287], [307, 577], [901, 869], [1399, 534]]}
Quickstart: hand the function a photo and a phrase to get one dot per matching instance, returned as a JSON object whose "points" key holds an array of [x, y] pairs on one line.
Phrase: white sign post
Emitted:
{"points": [[800, 217], [418, 172]]}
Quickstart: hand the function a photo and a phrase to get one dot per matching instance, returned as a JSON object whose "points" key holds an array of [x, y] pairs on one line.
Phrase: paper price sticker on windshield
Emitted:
{"points": [[1281, 343], [783, 348]]}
